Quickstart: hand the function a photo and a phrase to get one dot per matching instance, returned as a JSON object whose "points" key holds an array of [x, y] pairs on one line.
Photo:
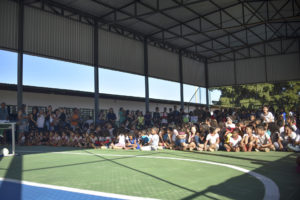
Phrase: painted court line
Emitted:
{"points": [[271, 189], [76, 190]]}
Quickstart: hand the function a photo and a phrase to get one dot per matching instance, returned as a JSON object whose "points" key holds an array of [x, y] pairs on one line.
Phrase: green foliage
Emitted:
{"points": [[279, 95]]}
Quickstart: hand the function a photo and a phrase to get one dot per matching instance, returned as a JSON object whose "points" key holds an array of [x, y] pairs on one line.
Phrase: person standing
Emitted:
{"points": [[3, 112], [3, 116]]}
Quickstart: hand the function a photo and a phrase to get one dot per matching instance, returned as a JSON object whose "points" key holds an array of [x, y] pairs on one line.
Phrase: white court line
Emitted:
{"points": [[76, 190], [271, 189]]}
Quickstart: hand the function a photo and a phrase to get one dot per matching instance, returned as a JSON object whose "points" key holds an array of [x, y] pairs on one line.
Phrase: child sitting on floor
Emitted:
{"points": [[165, 140], [21, 139], [131, 143], [249, 139], [94, 142], [213, 139], [234, 141], [121, 142], [64, 139], [264, 142]]}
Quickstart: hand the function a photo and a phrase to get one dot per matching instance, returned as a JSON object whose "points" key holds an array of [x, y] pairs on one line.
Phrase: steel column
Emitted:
{"points": [[181, 81], [146, 74], [96, 74], [206, 83], [20, 54], [234, 69]]}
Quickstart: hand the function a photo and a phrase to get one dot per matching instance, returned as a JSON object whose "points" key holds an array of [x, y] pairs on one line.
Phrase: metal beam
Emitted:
{"points": [[299, 50], [244, 25], [217, 26], [157, 10], [96, 74], [181, 81], [194, 18], [20, 54], [79, 15], [265, 63], [253, 45], [181, 23], [234, 69], [146, 75], [128, 32], [206, 83], [154, 25]]}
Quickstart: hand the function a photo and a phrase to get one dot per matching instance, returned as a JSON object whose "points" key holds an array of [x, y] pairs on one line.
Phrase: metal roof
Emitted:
{"points": [[216, 30]]}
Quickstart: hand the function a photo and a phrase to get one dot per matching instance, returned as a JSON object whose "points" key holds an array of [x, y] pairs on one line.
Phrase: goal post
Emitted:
{"points": [[7, 125]]}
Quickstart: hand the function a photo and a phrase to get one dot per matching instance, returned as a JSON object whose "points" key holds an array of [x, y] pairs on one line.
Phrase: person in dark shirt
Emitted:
{"points": [[170, 116], [48, 116], [176, 115], [156, 116], [148, 119], [33, 119], [62, 118], [111, 116]]}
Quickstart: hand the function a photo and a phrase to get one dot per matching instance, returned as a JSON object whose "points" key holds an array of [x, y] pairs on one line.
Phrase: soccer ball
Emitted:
{"points": [[5, 152]]}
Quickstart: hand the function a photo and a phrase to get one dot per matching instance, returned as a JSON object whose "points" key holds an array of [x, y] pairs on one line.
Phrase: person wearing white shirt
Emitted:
{"points": [[292, 122], [249, 139], [267, 116], [263, 142], [153, 141], [229, 123], [295, 146], [280, 124], [213, 139], [234, 141], [40, 121], [121, 142], [288, 139]]}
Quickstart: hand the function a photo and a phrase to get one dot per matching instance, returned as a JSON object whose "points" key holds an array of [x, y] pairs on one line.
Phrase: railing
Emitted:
{"points": [[194, 95]]}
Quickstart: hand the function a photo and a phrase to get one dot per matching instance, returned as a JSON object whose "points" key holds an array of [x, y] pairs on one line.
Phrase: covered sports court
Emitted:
{"points": [[202, 43], [205, 43]]}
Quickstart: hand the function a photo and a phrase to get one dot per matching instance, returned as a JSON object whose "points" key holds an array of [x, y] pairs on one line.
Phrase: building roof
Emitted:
{"points": [[212, 29], [206, 43]]}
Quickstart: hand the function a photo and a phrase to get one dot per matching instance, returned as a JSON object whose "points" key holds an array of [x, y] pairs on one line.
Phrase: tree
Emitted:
{"points": [[279, 95]]}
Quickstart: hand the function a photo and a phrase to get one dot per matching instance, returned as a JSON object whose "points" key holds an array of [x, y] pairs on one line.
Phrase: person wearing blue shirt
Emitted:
{"points": [[3, 112]]}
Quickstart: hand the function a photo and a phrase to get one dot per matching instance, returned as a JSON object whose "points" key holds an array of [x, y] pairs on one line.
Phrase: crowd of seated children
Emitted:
{"points": [[218, 131], [244, 137]]}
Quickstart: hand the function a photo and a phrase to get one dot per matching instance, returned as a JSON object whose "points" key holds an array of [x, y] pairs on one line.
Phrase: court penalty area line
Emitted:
{"points": [[271, 189]]}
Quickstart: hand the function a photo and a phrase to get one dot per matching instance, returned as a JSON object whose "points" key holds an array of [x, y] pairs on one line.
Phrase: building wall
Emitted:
{"points": [[41, 99]]}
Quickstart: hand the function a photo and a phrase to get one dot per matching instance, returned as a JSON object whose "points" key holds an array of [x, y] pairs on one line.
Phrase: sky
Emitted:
{"points": [[43, 72]]}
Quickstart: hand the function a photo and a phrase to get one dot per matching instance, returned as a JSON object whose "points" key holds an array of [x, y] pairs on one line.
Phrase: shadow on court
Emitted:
{"points": [[142, 172], [10, 190], [282, 172], [244, 186]]}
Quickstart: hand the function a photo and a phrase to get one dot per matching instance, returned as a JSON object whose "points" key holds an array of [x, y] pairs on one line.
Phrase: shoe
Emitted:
{"points": [[256, 150], [273, 149], [267, 150]]}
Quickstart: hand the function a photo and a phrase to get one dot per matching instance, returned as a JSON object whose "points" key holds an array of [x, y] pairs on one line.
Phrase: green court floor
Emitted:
{"points": [[141, 174]]}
